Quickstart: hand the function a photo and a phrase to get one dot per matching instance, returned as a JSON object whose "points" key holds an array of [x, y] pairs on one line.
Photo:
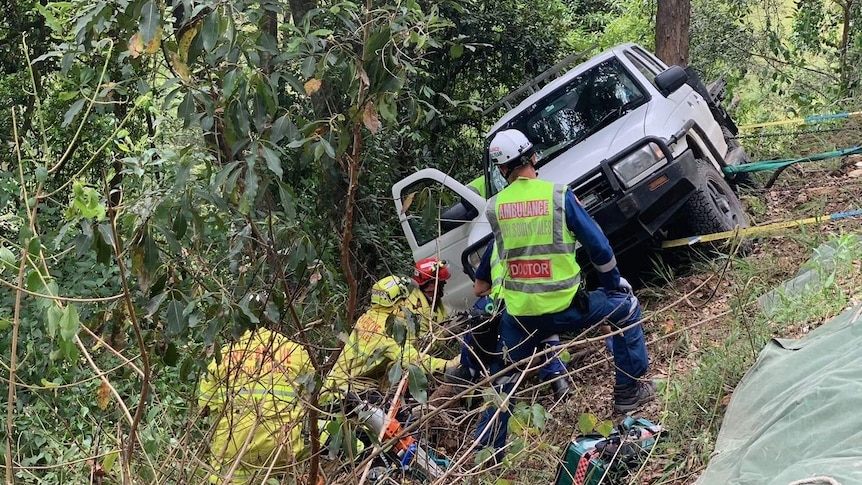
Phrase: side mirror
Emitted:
{"points": [[671, 80]]}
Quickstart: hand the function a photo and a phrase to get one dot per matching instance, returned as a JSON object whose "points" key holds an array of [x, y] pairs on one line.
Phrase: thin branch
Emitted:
{"points": [[83, 122], [67, 299], [142, 346]]}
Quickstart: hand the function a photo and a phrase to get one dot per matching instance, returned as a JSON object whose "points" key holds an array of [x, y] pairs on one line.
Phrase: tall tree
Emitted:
{"points": [[672, 24]]}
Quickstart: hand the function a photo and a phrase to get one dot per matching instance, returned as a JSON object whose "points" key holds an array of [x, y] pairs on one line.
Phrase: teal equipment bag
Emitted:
{"points": [[593, 458]]}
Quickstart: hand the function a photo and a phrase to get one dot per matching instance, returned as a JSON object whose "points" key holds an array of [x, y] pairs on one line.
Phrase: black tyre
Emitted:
{"points": [[744, 179], [714, 207]]}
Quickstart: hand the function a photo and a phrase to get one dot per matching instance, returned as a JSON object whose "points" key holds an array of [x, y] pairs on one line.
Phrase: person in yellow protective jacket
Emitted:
{"points": [[371, 348], [426, 299], [255, 394]]}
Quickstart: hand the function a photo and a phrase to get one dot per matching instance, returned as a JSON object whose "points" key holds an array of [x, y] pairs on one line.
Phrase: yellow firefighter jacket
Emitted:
{"points": [[254, 393], [430, 319], [370, 351]]}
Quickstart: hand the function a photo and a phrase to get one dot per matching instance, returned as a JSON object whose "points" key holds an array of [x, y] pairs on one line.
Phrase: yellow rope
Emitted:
{"points": [[800, 121]]}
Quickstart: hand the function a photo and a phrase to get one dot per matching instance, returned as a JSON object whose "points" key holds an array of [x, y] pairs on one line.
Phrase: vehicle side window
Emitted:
{"points": [[432, 210], [646, 71], [651, 59]]}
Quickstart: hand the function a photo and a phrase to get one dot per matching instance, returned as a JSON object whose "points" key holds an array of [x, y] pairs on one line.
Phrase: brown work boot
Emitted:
{"points": [[627, 398]]}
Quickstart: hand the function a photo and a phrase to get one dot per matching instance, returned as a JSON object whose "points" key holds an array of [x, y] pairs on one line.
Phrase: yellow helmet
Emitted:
{"points": [[388, 291]]}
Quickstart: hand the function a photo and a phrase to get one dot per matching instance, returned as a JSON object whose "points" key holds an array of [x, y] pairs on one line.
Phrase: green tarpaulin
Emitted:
{"points": [[797, 413]]}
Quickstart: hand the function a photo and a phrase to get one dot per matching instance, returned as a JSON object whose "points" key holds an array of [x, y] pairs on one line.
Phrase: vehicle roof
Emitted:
{"points": [[556, 83]]}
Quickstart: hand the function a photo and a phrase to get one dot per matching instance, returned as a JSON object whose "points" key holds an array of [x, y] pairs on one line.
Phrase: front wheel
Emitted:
{"points": [[714, 206]]}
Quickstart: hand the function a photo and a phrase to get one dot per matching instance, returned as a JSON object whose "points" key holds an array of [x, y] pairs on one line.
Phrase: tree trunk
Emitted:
{"points": [[672, 24], [298, 9]]}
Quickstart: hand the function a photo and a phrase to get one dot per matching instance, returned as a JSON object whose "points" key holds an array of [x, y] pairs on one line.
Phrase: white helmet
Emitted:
{"points": [[510, 147]]}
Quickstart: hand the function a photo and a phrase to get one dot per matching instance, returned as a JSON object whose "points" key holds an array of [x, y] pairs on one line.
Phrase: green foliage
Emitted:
{"points": [[206, 156], [588, 423], [722, 39], [193, 168]]}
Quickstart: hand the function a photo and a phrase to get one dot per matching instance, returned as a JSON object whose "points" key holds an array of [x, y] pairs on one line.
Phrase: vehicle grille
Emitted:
{"points": [[593, 191]]}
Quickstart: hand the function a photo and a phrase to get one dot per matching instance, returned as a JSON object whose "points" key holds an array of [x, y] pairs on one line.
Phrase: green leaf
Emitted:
{"points": [[86, 203], [456, 50], [243, 305], [150, 20], [69, 323], [483, 456], [605, 428], [386, 109], [516, 447], [154, 304], [72, 112], [250, 193], [395, 372], [34, 281], [34, 247], [282, 126], [172, 356], [41, 174], [538, 416], [209, 31], [180, 224], [7, 259], [396, 326], [177, 321], [328, 148], [287, 203], [110, 459], [69, 350], [53, 316], [298, 143], [417, 383], [308, 66], [47, 383], [229, 83], [587, 423], [107, 234], [273, 162], [186, 109]]}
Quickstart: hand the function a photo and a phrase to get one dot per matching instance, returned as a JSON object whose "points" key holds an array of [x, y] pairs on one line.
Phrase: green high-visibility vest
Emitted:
{"points": [[478, 185], [536, 248]]}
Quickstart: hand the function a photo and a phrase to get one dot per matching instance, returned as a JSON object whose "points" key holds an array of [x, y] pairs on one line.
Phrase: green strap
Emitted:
{"points": [[765, 165]]}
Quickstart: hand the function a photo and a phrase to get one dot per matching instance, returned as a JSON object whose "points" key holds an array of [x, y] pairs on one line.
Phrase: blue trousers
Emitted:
{"points": [[520, 335], [487, 350]]}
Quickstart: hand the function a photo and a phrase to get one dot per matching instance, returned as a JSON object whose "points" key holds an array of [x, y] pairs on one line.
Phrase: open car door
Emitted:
{"points": [[437, 214]]}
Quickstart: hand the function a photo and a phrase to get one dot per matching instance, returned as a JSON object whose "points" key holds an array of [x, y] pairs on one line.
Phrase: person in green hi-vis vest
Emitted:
{"points": [[536, 226]]}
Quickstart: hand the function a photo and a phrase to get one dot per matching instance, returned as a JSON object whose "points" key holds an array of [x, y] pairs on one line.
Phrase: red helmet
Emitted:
{"points": [[428, 269]]}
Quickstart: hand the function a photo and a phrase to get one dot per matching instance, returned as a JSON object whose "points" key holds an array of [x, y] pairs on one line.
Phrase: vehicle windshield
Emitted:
{"points": [[585, 105]]}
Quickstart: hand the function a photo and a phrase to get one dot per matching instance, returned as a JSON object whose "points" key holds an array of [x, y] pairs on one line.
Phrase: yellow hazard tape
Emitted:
{"points": [[749, 231]]}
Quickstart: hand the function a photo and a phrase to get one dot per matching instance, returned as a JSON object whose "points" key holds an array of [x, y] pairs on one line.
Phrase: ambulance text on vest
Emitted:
{"points": [[526, 208]]}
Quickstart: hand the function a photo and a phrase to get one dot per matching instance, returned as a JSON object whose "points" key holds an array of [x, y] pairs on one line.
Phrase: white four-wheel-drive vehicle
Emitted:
{"points": [[641, 144]]}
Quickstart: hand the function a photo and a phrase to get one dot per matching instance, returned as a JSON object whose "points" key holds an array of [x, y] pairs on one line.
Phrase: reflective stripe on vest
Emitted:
{"points": [[220, 396], [497, 273], [536, 248]]}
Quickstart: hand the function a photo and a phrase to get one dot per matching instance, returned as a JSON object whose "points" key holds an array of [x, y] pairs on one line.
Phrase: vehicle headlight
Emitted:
{"points": [[640, 164]]}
